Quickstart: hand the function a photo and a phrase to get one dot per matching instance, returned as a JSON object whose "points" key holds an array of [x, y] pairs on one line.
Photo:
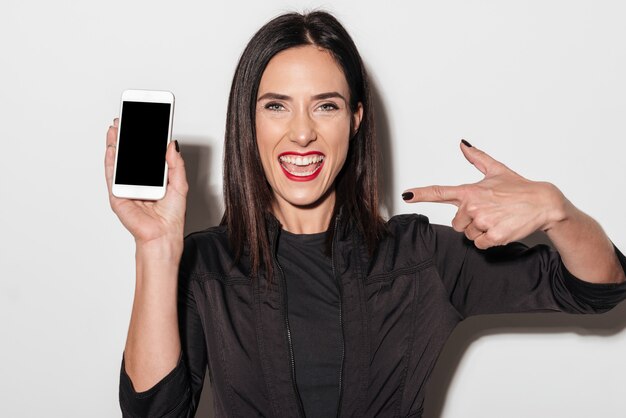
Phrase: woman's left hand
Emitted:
{"points": [[501, 208]]}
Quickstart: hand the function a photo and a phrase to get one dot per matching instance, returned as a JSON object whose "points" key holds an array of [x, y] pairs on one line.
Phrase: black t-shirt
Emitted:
{"points": [[313, 304]]}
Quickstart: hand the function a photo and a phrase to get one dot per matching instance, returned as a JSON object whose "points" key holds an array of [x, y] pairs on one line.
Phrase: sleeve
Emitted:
{"points": [[515, 278], [178, 393]]}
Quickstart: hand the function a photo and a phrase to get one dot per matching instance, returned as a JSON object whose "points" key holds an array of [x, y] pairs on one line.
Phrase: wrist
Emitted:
{"points": [[162, 250], [157, 264], [559, 208]]}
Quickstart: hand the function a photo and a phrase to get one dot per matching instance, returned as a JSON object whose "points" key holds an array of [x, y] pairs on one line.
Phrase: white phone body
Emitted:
{"points": [[144, 131]]}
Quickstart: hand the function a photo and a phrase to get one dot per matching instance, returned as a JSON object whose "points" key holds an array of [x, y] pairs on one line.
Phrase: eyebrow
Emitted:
{"points": [[321, 96], [329, 95]]}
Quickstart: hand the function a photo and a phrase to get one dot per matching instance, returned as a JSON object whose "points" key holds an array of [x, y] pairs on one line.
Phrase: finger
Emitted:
{"points": [[495, 236], [177, 176], [485, 241], [472, 232], [437, 194], [480, 159], [109, 156], [482, 242], [461, 221], [112, 134]]}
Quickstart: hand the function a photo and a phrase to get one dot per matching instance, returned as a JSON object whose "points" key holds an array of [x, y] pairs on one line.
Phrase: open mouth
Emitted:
{"points": [[301, 167]]}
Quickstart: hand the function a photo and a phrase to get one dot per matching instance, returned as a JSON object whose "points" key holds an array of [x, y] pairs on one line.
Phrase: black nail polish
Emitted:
{"points": [[407, 195], [467, 144], [176, 145]]}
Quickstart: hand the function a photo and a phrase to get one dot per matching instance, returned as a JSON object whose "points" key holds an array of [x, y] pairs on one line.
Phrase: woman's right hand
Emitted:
{"points": [[151, 221], [153, 343]]}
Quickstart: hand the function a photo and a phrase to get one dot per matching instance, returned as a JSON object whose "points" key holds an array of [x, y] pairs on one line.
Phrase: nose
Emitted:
{"points": [[302, 129]]}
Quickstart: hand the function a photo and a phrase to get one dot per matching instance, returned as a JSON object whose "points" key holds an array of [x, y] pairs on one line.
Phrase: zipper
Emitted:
{"points": [[343, 343], [286, 319]]}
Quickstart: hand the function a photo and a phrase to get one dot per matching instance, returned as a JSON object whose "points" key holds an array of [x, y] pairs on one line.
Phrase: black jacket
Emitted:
{"points": [[397, 310]]}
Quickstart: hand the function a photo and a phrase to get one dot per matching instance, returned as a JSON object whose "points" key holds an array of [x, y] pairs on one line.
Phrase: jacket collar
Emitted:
{"points": [[342, 224]]}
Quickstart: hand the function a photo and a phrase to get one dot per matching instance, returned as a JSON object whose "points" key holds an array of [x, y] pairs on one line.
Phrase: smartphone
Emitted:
{"points": [[145, 129]]}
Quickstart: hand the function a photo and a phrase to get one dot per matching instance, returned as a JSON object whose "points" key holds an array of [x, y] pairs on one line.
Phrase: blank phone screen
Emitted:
{"points": [[144, 131]]}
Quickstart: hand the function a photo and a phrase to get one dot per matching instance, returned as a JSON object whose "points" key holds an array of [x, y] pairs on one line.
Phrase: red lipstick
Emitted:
{"points": [[299, 166]]}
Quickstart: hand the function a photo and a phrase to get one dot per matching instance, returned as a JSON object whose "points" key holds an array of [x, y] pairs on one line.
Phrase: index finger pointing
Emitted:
{"points": [[437, 194]]}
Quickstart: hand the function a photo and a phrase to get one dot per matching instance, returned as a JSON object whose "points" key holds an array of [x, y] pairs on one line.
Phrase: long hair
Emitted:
{"points": [[247, 194]]}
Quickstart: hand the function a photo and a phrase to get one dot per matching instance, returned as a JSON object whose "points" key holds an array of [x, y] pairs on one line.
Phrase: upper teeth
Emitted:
{"points": [[302, 161]]}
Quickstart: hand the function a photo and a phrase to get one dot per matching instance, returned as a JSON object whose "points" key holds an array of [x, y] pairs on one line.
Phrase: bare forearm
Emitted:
{"points": [[585, 249], [153, 342]]}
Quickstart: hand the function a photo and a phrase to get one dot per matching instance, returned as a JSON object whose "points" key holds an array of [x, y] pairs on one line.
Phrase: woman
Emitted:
{"points": [[304, 302]]}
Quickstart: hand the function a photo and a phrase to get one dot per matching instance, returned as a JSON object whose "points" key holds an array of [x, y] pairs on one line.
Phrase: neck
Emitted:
{"points": [[309, 219]]}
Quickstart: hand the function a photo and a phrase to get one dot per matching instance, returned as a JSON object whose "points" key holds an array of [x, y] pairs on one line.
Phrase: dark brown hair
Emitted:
{"points": [[247, 194]]}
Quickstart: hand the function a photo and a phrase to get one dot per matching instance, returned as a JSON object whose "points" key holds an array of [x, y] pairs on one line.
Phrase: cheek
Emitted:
{"points": [[339, 139], [342, 157], [266, 138]]}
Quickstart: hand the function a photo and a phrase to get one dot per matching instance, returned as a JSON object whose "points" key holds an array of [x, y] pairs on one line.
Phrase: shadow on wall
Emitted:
{"points": [[204, 205], [204, 209], [476, 327], [383, 135]]}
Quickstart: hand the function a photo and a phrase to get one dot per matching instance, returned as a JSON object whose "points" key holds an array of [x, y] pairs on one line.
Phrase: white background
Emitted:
{"points": [[538, 84]]}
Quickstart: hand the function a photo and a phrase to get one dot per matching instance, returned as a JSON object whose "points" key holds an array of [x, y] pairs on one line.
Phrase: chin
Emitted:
{"points": [[303, 196], [304, 201]]}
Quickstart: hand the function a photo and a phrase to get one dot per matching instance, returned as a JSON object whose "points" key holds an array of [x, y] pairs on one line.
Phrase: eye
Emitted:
{"points": [[276, 107], [327, 107]]}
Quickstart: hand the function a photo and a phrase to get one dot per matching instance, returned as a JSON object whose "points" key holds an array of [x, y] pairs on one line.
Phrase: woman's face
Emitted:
{"points": [[303, 124]]}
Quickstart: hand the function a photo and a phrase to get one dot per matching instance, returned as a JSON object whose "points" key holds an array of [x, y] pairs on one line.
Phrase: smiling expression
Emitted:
{"points": [[303, 125]]}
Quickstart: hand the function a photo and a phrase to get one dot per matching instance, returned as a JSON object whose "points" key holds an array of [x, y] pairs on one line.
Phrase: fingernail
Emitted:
{"points": [[116, 122], [467, 144], [176, 145], [407, 195]]}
